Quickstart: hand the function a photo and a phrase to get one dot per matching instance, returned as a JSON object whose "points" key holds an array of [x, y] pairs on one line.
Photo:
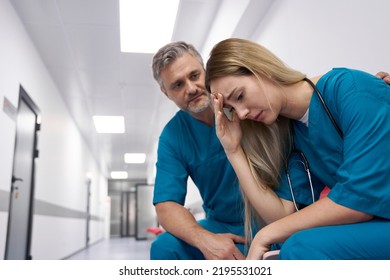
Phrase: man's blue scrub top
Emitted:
{"points": [[355, 166], [188, 147]]}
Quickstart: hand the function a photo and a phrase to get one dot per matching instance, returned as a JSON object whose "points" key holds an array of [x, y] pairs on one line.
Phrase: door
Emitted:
{"points": [[127, 214], [22, 183], [146, 214]]}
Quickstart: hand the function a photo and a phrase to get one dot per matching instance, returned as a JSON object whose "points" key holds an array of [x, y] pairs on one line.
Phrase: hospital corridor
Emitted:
{"points": [[81, 114]]}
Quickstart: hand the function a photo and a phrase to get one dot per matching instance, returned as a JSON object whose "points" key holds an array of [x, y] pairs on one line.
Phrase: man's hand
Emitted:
{"points": [[222, 247], [384, 76]]}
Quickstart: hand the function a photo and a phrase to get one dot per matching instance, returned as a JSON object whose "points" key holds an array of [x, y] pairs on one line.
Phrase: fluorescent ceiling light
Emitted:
{"points": [[119, 175], [135, 158], [146, 25], [109, 124]]}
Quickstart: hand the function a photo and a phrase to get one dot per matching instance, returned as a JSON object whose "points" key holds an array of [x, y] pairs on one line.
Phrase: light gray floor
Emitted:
{"points": [[116, 248]]}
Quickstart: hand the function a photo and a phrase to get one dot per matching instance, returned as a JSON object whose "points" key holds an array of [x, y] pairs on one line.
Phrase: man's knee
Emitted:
{"points": [[168, 247], [162, 247]]}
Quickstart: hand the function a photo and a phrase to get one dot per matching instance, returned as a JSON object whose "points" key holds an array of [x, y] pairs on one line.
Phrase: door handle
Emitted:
{"points": [[14, 179]]}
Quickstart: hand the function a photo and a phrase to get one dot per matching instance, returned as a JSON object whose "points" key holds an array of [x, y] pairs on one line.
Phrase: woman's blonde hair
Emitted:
{"points": [[265, 146]]}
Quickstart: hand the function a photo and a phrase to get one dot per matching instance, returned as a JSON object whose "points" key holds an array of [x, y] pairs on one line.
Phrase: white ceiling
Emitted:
{"points": [[80, 45]]}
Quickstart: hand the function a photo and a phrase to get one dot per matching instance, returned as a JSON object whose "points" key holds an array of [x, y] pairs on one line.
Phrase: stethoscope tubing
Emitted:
{"points": [[305, 161]]}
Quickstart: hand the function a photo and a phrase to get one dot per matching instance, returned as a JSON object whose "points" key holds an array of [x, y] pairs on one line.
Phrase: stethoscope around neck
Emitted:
{"points": [[303, 160]]}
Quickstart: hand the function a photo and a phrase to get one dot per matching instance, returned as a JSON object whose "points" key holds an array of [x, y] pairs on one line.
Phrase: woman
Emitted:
{"points": [[278, 123]]}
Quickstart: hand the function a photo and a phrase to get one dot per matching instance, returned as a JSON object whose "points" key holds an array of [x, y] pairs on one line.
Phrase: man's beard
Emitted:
{"points": [[201, 107]]}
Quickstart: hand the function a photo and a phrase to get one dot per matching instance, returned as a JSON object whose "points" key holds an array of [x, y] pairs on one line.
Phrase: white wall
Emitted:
{"points": [[65, 160], [314, 36]]}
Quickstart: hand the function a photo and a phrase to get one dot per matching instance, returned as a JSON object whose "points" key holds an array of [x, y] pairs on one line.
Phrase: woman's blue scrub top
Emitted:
{"points": [[356, 166]]}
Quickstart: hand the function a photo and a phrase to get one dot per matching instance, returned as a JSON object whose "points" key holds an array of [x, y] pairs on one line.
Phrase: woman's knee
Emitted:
{"points": [[303, 246]]}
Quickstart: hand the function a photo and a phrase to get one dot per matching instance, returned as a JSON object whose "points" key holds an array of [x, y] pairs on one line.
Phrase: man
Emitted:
{"points": [[189, 147]]}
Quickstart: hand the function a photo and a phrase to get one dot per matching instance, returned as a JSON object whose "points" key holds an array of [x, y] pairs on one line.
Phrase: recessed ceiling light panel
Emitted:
{"points": [[119, 175], [109, 124], [135, 157], [146, 25]]}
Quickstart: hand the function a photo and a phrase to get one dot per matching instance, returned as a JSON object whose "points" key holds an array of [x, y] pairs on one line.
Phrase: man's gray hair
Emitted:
{"points": [[169, 53]]}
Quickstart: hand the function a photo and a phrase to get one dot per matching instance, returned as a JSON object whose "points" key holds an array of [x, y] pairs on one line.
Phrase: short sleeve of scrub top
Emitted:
{"points": [[361, 105]]}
